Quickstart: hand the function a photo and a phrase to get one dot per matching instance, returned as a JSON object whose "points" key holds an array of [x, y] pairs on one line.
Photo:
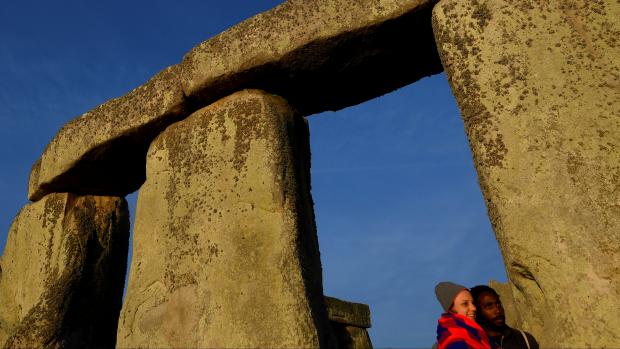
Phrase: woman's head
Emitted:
{"points": [[464, 304], [455, 299]]}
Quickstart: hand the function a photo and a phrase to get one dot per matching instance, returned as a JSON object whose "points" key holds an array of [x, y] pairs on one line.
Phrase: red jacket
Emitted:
{"points": [[456, 331]]}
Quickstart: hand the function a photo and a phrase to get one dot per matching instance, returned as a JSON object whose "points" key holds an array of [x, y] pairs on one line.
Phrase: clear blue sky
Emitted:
{"points": [[396, 196]]}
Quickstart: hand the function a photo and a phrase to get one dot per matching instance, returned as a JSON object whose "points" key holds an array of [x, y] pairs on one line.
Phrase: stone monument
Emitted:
{"points": [[225, 251]]}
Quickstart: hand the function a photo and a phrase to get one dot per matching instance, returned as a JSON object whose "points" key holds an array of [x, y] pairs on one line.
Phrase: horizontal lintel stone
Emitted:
{"points": [[103, 152], [319, 55]]}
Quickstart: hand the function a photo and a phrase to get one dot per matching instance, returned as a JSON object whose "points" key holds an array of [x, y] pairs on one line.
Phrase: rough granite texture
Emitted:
{"points": [[319, 55], [102, 152], [225, 247], [538, 85], [62, 273]]}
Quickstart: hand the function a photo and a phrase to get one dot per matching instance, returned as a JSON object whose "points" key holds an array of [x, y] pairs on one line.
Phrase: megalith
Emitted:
{"points": [[537, 83], [349, 323], [62, 273], [225, 247], [319, 55]]}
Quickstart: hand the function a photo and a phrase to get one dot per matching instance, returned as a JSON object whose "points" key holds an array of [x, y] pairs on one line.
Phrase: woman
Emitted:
{"points": [[457, 327]]}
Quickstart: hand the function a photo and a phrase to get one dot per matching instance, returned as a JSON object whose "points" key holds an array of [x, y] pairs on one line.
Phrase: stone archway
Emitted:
{"points": [[538, 91]]}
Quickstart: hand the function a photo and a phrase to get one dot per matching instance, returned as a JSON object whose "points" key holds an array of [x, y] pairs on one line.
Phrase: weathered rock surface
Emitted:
{"points": [[103, 151], [319, 55], [62, 273], [351, 337], [349, 322], [538, 87], [225, 248], [349, 313]]}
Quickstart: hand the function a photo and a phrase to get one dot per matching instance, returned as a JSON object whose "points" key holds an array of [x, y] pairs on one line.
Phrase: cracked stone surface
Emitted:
{"points": [[225, 247], [62, 273], [537, 83]]}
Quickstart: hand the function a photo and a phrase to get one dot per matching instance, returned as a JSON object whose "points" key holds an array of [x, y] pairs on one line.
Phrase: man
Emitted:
{"points": [[490, 316]]}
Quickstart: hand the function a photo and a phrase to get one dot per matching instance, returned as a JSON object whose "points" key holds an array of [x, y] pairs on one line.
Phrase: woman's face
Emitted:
{"points": [[464, 305]]}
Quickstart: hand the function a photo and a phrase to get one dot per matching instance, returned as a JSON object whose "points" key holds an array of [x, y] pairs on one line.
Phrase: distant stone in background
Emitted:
{"points": [[537, 85], [349, 322], [351, 337], [349, 313], [225, 248], [62, 273]]}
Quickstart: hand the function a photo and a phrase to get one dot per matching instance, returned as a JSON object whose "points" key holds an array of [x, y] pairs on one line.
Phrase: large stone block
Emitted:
{"points": [[319, 55], [537, 84], [349, 322], [348, 313], [102, 151], [225, 248], [62, 273]]}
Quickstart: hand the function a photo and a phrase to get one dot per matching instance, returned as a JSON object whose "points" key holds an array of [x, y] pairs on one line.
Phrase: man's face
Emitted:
{"points": [[491, 310]]}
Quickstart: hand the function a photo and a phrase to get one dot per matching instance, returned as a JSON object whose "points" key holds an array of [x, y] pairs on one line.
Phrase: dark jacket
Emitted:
{"points": [[513, 339]]}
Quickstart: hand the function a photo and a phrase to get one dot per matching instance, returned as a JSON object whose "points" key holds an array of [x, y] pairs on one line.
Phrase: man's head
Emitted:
{"points": [[490, 310]]}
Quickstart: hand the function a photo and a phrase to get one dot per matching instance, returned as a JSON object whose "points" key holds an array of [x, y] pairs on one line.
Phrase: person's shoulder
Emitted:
{"points": [[531, 340], [529, 336], [517, 333]]}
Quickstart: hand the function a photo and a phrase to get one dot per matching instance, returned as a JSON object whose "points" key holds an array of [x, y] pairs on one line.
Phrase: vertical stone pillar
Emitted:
{"points": [[538, 87], [225, 247], [62, 273]]}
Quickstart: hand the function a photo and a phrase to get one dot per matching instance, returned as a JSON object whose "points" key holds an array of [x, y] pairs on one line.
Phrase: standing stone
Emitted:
{"points": [[62, 273], [538, 87], [225, 248]]}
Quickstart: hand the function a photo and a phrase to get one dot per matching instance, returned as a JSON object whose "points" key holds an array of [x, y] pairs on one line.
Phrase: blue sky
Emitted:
{"points": [[396, 196]]}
